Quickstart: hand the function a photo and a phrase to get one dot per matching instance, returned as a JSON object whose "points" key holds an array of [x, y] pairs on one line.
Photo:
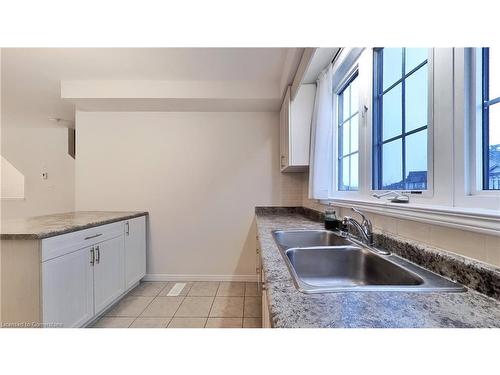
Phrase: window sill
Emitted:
{"points": [[477, 220]]}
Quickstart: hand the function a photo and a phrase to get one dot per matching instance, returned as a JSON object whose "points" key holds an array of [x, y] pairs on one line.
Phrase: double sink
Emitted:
{"points": [[323, 261]]}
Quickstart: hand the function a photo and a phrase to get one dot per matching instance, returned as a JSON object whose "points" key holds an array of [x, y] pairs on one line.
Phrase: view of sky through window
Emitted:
{"points": [[401, 99], [348, 133]]}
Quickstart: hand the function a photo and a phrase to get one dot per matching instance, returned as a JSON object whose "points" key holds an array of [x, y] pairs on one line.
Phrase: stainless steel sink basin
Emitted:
{"points": [[309, 238], [347, 266], [323, 261]]}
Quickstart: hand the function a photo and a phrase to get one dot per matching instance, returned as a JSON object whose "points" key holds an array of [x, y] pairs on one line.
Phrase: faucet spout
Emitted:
{"points": [[364, 228], [366, 237]]}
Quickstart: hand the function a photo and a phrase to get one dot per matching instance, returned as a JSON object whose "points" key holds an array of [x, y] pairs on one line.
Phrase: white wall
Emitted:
{"points": [[32, 144], [12, 181], [198, 174], [33, 151]]}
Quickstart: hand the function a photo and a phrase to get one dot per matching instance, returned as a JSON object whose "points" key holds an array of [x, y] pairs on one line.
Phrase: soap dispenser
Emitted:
{"points": [[331, 220]]}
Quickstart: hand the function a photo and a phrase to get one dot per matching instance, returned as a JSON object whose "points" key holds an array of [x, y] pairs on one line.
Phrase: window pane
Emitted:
{"points": [[354, 133], [416, 99], [354, 172], [392, 66], [391, 113], [495, 124], [392, 166], [414, 57], [416, 160], [346, 110], [494, 73], [345, 139], [344, 176], [494, 147], [354, 96]]}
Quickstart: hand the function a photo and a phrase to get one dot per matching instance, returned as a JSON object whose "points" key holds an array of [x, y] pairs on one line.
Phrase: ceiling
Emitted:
{"points": [[31, 76]]}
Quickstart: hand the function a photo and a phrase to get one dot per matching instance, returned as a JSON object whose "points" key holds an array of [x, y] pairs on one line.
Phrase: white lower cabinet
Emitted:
{"points": [[109, 278], [68, 289], [135, 250], [81, 279]]}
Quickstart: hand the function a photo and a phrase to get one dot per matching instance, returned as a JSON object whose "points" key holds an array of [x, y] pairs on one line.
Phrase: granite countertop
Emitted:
{"points": [[290, 308], [39, 227]]}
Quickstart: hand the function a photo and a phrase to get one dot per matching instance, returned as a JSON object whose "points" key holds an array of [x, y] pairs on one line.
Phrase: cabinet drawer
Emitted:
{"points": [[66, 243]]}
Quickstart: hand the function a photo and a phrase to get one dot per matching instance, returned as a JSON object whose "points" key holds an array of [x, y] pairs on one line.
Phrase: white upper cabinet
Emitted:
{"points": [[295, 129], [135, 250]]}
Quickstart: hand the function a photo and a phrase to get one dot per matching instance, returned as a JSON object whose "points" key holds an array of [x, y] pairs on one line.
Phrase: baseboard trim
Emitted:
{"points": [[190, 277]]}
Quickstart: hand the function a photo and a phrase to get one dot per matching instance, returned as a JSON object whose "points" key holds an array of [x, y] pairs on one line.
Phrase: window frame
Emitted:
{"points": [[468, 190], [345, 66], [452, 199], [486, 103], [351, 77], [377, 141]]}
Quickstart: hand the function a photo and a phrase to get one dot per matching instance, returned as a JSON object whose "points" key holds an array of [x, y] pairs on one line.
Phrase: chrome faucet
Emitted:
{"points": [[364, 228]]}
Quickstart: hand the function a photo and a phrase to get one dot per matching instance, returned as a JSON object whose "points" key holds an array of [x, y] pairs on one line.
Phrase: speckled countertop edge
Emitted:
{"points": [[40, 227], [290, 308]]}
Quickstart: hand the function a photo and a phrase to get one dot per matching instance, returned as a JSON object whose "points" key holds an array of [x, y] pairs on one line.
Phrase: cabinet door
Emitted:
{"points": [[67, 289], [135, 250], [266, 318], [285, 131], [301, 110], [109, 278]]}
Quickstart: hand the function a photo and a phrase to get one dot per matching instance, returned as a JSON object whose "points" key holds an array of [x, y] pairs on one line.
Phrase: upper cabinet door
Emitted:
{"points": [[109, 277], [67, 289], [295, 129], [285, 131], [135, 250]]}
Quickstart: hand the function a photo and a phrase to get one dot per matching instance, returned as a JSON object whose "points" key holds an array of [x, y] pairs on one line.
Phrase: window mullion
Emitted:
{"points": [[403, 117], [485, 114]]}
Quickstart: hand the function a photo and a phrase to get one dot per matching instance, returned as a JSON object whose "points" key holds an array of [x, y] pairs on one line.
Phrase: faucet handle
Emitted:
{"points": [[366, 222]]}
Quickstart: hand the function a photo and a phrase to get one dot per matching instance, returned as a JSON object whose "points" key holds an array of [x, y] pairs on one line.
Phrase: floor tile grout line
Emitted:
{"points": [[212, 305], [169, 320], [191, 285], [162, 289], [152, 302], [132, 295], [155, 297], [178, 307]]}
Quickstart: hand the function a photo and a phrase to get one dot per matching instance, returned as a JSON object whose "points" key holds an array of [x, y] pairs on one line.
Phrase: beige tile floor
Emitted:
{"points": [[198, 305]]}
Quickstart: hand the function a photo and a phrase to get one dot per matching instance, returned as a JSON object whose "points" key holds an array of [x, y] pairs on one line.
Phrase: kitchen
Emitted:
{"points": [[242, 189]]}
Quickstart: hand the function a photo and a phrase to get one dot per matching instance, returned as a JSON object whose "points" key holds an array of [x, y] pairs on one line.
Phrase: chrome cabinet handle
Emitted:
{"points": [[98, 255], [94, 236], [92, 256], [127, 228]]}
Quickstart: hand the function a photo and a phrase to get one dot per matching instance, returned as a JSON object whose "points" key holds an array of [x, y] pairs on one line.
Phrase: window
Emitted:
{"points": [[400, 103], [491, 120], [348, 134]]}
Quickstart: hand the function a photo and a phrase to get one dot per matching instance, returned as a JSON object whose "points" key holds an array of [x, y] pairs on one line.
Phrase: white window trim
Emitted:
{"points": [[477, 220], [364, 65], [448, 201], [468, 134], [346, 66], [429, 192]]}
